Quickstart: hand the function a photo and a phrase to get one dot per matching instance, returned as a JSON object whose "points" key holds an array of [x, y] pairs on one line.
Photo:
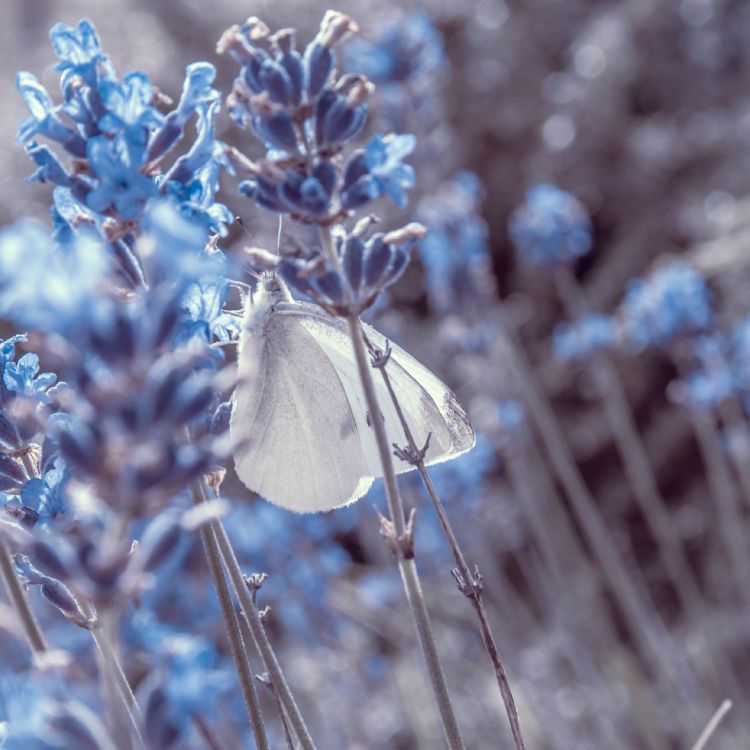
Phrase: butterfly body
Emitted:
{"points": [[299, 418]]}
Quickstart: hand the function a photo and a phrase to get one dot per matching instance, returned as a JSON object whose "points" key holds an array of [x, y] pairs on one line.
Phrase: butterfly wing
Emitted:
{"points": [[298, 438], [428, 405]]}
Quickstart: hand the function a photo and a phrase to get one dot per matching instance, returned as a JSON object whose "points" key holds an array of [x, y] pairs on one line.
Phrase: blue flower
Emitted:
{"points": [[673, 302], [578, 341], [80, 52], [49, 168], [379, 170], [455, 251], [196, 91], [45, 285], [406, 50], [23, 379], [44, 120], [121, 185], [551, 227], [46, 494], [194, 178], [130, 111], [22, 394], [203, 303]]}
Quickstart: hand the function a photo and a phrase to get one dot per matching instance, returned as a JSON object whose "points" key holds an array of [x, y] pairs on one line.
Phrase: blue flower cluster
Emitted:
{"points": [[305, 115], [455, 251], [404, 51], [552, 227], [126, 299], [405, 59], [673, 302], [26, 399], [115, 139], [363, 270], [36, 714], [580, 340], [714, 378]]}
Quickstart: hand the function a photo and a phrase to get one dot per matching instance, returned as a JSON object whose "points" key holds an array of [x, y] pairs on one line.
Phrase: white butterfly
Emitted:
{"points": [[299, 416]]}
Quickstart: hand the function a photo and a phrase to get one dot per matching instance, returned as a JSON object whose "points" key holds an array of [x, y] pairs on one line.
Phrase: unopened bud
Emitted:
{"points": [[335, 27], [412, 232]]}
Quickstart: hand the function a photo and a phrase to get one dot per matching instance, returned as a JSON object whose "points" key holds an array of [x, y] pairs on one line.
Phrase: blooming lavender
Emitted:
{"points": [[673, 302], [551, 227], [580, 340], [406, 59], [455, 252]]}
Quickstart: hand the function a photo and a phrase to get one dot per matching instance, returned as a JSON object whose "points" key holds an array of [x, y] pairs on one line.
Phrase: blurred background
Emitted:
{"points": [[606, 501]]}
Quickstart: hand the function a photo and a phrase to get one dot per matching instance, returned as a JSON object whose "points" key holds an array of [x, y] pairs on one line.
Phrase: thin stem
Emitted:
{"points": [[724, 492], [400, 536], [262, 643], [403, 546], [206, 733], [20, 602], [733, 418], [652, 636], [469, 582], [15, 590], [231, 623], [712, 725], [635, 461], [114, 673]]}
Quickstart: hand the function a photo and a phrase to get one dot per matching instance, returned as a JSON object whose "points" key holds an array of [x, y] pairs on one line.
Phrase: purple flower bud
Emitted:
{"points": [[318, 62], [277, 130], [160, 540]]}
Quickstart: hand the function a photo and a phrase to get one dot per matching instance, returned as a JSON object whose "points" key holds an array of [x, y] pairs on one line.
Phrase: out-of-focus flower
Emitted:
{"points": [[45, 284], [455, 251], [403, 51], [552, 227], [673, 302], [36, 715], [590, 334], [405, 59]]}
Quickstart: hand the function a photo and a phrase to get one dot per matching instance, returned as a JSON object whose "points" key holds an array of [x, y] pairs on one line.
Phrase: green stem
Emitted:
{"points": [[231, 623]]}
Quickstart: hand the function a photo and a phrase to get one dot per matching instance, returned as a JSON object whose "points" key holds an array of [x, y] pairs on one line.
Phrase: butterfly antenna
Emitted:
{"points": [[240, 223]]}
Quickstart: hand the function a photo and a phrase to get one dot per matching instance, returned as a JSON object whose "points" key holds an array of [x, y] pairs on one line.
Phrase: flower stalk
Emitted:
{"points": [[398, 532], [255, 624], [469, 582], [231, 623]]}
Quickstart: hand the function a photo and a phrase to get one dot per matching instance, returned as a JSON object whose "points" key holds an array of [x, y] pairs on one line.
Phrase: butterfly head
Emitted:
{"points": [[269, 292]]}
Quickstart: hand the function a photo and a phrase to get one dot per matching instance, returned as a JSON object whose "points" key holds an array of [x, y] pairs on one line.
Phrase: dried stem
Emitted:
{"points": [[724, 492], [635, 461], [18, 599], [399, 533], [655, 642], [15, 590], [403, 545], [114, 674], [207, 734], [258, 631], [712, 725], [469, 582], [231, 623]]}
